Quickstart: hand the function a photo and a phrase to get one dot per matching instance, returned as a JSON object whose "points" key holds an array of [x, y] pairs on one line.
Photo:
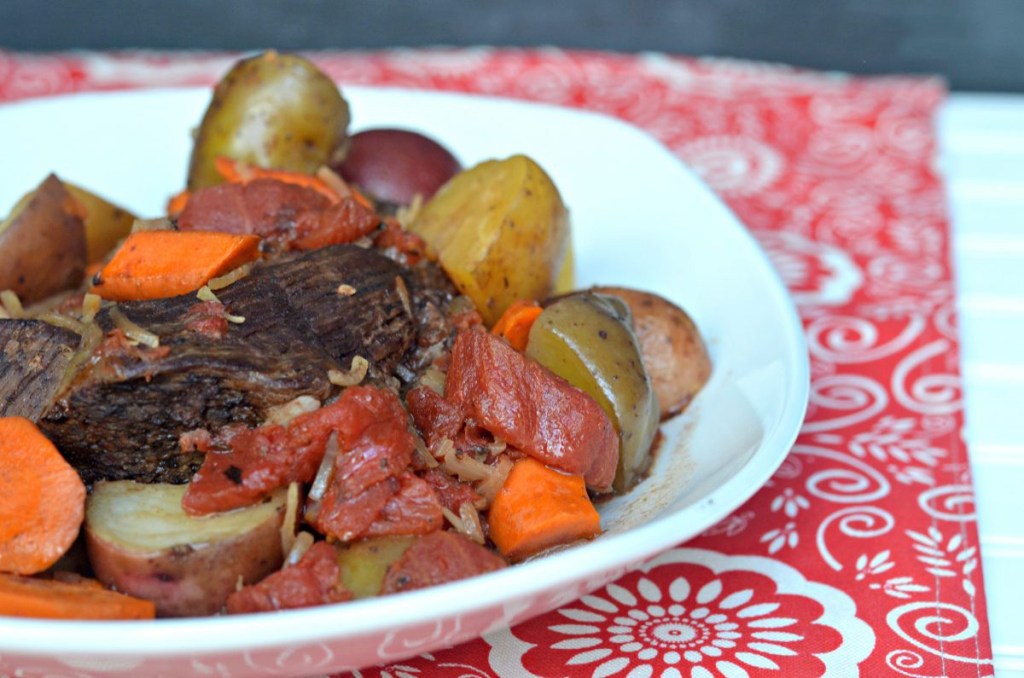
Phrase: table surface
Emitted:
{"points": [[982, 142]]}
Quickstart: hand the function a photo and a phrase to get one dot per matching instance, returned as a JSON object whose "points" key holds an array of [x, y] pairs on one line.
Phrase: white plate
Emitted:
{"points": [[641, 219]]}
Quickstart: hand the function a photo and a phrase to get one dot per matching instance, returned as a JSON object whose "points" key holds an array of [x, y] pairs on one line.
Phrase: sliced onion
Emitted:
{"points": [[471, 521], [326, 470], [131, 330], [464, 466], [453, 520], [291, 513], [334, 182], [90, 306], [229, 277], [283, 414], [58, 320], [403, 294], [355, 375], [302, 543], [12, 304], [489, 487], [423, 452]]}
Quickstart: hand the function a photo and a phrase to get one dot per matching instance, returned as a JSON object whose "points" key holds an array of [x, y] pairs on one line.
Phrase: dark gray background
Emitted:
{"points": [[975, 44]]}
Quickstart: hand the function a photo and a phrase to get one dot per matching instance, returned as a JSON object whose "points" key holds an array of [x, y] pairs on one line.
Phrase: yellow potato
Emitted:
{"points": [[142, 543], [500, 231], [364, 564], [272, 110], [106, 224]]}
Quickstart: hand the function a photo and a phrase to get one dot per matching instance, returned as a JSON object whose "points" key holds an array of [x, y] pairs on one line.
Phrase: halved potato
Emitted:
{"points": [[42, 244], [673, 350], [500, 231], [141, 542]]}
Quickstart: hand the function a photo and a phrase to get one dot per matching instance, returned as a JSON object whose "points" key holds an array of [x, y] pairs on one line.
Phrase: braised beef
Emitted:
{"points": [[304, 315], [33, 357]]}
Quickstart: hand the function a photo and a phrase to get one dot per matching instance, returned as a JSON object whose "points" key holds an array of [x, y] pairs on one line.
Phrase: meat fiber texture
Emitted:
{"points": [[304, 315]]}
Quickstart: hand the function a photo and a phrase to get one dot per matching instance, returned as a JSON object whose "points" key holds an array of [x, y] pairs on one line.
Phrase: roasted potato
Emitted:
{"points": [[674, 353], [142, 543], [396, 165], [43, 244], [500, 231], [272, 110], [106, 224], [587, 339], [364, 564]]}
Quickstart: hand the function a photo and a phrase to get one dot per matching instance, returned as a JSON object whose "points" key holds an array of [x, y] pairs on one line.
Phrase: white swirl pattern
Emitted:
{"points": [[841, 485], [956, 503], [930, 393], [945, 625], [862, 397], [848, 339], [861, 522]]}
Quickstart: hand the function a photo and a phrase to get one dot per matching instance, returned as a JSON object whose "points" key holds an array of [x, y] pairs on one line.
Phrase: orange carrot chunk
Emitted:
{"points": [[53, 599], [177, 202], [538, 508], [515, 323], [238, 172], [42, 499], [157, 264]]}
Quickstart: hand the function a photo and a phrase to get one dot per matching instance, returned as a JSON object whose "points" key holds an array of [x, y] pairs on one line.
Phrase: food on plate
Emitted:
{"points": [[273, 110], [302, 386], [69, 597], [27, 387], [588, 340], [141, 542], [42, 243], [258, 344], [105, 222], [397, 165], [673, 351], [41, 503], [500, 231], [538, 508], [159, 264]]}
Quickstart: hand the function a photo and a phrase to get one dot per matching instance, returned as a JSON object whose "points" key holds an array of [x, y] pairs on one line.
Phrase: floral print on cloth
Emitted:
{"points": [[860, 556]]}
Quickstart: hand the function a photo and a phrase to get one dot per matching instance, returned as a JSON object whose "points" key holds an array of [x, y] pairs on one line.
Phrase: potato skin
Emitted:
{"points": [[42, 244], [500, 231], [673, 350], [182, 577], [272, 110]]}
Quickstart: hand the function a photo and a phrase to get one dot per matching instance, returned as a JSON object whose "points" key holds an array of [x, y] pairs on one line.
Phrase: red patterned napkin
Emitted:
{"points": [[861, 553]]}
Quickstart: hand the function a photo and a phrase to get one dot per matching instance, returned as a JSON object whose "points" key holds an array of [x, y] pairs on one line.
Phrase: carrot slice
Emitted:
{"points": [[176, 205], [42, 499], [156, 264], [538, 508], [53, 599], [238, 172], [515, 323]]}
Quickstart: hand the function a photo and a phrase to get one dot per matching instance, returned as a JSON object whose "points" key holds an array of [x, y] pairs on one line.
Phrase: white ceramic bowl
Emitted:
{"points": [[640, 220]]}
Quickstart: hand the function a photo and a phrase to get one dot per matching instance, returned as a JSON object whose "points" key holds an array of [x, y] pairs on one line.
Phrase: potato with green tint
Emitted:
{"points": [[364, 564], [273, 110], [587, 339], [500, 231]]}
